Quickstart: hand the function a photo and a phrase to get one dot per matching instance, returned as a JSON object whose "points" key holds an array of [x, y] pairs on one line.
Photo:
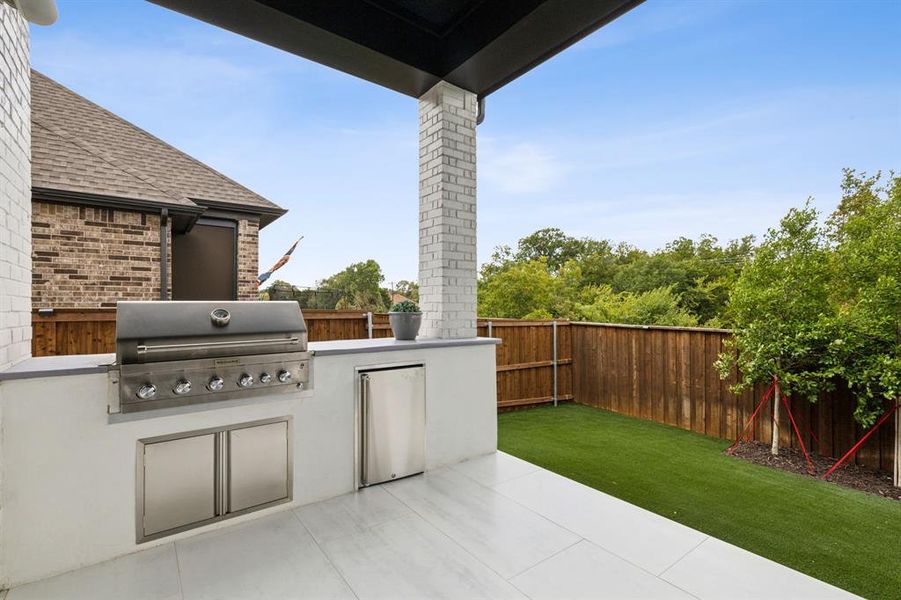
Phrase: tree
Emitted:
{"points": [[521, 290], [654, 307], [408, 289], [697, 274], [359, 287], [700, 273], [866, 294], [777, 306], [556, 247]]}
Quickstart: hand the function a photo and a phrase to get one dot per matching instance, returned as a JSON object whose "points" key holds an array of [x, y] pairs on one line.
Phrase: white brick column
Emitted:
{"points": [[15, 188], [447, 212]]}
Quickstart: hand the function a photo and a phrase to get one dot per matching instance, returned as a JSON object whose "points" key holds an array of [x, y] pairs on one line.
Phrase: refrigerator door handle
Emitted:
{"points": [[364, 427]]}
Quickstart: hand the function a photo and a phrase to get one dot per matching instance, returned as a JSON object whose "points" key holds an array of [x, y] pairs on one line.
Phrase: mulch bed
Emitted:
{"points": [[849, 475]]}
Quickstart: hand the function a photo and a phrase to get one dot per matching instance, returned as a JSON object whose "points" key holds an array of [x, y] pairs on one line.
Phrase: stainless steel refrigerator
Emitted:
{"points": [[392, 411]]}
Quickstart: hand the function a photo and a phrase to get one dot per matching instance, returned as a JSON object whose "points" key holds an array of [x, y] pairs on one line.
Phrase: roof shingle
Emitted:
{"points": [[78, 146]]}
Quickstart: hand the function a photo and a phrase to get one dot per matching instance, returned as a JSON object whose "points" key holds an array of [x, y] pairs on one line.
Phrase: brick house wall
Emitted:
{"points": [[90, 257], [87, 257], [15, 188], [248, 259]]}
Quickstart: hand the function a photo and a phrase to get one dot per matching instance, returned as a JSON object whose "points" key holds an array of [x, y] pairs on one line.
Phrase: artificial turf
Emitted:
{"points": [[845, 537]]}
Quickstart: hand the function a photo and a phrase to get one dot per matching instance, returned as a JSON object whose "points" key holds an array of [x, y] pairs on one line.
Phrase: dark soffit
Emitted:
{"points": [[410, 45]]}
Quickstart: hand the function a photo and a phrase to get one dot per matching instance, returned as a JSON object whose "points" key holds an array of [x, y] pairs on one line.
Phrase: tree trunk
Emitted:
{"points": [[777, 400]]}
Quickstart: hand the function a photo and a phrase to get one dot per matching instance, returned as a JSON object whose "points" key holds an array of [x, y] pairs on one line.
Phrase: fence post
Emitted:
{"points": [[554, 326], [490, 328], [369, 324], [896, 476]]}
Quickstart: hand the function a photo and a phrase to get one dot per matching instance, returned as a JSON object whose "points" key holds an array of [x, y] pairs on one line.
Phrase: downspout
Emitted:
{"points": [[164, 254], [480, 115]]}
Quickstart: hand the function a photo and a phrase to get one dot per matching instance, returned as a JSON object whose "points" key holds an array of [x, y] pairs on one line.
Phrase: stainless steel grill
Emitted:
{"points": [[178, 353]]}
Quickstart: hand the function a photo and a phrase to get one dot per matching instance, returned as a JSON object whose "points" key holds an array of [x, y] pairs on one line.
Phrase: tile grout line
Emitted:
{"points": [[325, 554], [599, 545], [544, 560], [454, 466], [581, 539], [517, 502], [452, 540], [678, 560], [181, 589]]}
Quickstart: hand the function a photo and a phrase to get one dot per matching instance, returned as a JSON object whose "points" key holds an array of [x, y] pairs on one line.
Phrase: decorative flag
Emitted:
{"points": [[281, 263]]}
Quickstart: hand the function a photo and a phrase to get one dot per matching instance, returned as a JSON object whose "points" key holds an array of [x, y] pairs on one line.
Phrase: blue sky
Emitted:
{"points": [[680, 118]]}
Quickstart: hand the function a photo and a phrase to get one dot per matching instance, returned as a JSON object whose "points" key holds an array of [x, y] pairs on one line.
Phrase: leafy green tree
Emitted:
{"points": [[408, 289], [699, 273], [280, 290], [526, 288], [359, 287], [777, 306], [866, 293], [654, 307], [557, 248]]}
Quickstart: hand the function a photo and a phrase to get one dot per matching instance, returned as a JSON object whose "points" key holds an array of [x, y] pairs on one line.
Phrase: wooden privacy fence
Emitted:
{"points": [[526, 370], [525, 359], [668, 375], [93, 331], [658, 373]]}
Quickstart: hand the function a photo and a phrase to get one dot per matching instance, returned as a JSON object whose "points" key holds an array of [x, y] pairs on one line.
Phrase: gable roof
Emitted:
{"points": [[81, 150]]}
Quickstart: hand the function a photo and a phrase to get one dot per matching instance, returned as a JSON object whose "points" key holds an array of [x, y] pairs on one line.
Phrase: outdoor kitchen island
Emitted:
{"points": [[69, 467]]}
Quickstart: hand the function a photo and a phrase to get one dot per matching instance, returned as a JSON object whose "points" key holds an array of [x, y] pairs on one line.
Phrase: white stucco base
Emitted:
{"points": [[69, 468]]}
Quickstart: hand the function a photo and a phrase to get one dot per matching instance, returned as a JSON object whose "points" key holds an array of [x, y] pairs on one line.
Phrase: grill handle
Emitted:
{"points": [[145, 349]]}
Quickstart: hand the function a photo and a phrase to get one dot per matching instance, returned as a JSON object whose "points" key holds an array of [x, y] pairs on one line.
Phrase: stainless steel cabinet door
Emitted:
{"points": [[179, 483], [393, 407], [258, 465]]}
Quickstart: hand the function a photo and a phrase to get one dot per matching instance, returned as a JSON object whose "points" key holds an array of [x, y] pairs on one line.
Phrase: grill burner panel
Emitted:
{"points": [[181, 353], [207, 375]]}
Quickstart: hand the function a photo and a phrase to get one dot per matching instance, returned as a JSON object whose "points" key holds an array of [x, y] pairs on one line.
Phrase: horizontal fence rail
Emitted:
{"points": [[663, 374]]}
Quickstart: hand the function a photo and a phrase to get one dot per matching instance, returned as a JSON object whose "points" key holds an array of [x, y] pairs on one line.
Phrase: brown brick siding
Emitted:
{"points": [[86, 257], [248, 261]]}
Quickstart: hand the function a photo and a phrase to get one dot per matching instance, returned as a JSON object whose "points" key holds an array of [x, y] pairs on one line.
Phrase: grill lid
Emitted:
{"points": [[176, 330]]}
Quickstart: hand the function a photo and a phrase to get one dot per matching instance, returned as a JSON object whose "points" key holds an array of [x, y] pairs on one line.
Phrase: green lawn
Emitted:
{"points": [[847, 538]]}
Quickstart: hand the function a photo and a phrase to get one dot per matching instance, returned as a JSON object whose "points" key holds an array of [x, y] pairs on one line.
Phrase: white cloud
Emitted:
{"points": [[524, 168]]}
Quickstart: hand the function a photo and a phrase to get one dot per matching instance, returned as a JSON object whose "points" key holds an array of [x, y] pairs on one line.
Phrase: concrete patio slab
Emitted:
{"points": [[504, 535], [716, 569], [641, 537], [493, 527], [587, 571]]}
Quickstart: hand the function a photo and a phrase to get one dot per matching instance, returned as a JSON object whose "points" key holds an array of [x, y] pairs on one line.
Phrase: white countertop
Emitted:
{"points": [[390, 344], [78, 364], [52, 366]]}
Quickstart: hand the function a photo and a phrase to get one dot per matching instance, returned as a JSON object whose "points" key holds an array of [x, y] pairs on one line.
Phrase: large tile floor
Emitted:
{"points": [[493, 527]]}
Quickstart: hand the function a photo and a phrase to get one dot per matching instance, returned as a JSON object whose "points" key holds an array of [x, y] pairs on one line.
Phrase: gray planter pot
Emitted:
{"points": [[405, 325]]}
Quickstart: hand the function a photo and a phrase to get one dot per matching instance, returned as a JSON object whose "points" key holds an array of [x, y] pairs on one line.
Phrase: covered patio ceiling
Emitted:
{"points": [[410, 45]]}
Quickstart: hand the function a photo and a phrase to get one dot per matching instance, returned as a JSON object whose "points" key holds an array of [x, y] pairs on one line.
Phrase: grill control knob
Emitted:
{"points": [[216, 383], [284, 376], [182, 387], [245, 380], [146, 391], [265, 377]]}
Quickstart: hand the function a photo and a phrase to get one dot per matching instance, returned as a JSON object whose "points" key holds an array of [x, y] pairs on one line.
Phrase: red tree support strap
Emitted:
{"points": [[798, 434], [763, 400], [863, 439]]}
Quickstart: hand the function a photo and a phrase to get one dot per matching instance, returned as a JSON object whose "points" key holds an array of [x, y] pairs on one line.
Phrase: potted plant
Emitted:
{"points": [[405, 319]]}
